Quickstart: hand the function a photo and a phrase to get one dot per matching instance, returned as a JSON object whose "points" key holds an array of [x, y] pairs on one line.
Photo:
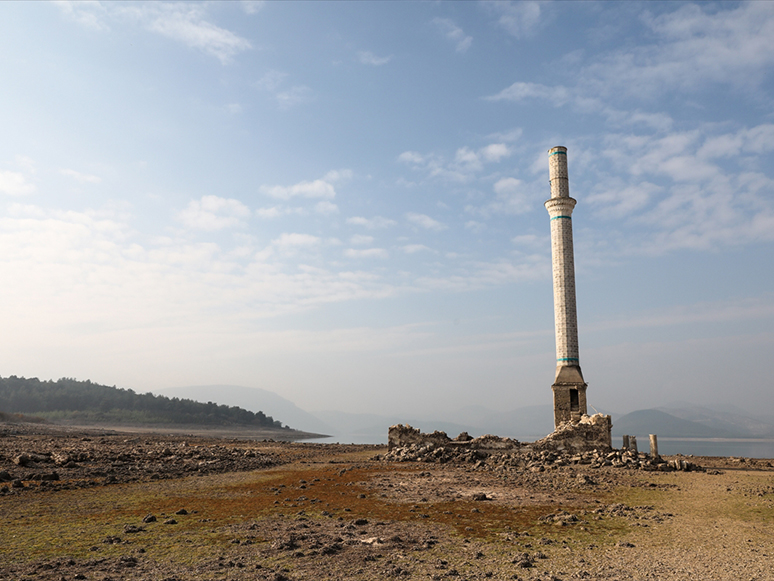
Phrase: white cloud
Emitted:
{"points": [[187, 24], [425, 222], [467, 159], [271, 80], [294, 96], [466, 162], [495, 152], [508, 136], [81, 177], [518, 91], [366, 253], [454, 33], [278, 211], [474, 226], [15, 184], [368, 58], [511, 197], [519, 18], [326, 208], [414, 248], [214, 213], [690, 189], [371, 223], [338, 175], [314, 189], [87, 14], [411, 157], [693, 46], [618, 199], [252, 6], [292, 241], [361, 240]]}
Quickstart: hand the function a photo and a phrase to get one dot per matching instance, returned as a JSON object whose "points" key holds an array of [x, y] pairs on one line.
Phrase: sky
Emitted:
{"points": [[342, 202]]}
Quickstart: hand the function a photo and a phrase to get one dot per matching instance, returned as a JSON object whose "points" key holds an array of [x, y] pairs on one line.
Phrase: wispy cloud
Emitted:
{"points": [[426, 222], [466, 161], [520, 19], [454, 33], [695, 189], [279, 211], [366, 57], [326, 208], [87, 14], [188, 24], [361, 240], [294, 96], [374, 223], [693, 47], [271, 80], [80, 177], [214, 213], [315, 189], [252, 6], [414, 248], [366, 253], [15, 183]]}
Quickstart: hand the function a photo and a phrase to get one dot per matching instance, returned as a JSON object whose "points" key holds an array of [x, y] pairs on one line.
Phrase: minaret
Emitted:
{"points": [[569, 388]]}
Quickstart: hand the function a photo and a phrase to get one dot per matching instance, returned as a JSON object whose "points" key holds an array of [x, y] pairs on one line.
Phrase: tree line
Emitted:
{"points": [[71, 400]]}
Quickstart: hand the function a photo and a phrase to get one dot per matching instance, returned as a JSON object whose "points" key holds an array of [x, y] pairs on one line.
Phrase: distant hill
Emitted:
{"points": [[253, 399], [73, 401], [643, 422], [730, 418]]}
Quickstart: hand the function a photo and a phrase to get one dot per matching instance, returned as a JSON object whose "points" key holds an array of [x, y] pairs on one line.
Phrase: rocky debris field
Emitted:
{"points": [[536, 461], [44, 457], [157, 507]]}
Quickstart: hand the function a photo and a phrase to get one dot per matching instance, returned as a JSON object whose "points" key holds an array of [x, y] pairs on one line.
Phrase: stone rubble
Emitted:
{"points": [[408, 444]]}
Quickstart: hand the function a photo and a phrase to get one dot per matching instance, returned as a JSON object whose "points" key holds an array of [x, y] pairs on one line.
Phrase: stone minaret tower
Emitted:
{"points": [[569, 388]]}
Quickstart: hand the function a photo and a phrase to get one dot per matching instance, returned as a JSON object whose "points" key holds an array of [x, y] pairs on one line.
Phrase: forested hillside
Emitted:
{"points": [[86, 402]]}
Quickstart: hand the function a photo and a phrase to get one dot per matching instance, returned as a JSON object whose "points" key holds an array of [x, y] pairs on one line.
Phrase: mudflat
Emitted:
{"points": [[105, 505]]}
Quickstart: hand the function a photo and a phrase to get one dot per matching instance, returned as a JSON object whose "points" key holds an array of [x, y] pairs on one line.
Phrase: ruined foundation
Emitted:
{"points": [[588, 434], [585, 442]]}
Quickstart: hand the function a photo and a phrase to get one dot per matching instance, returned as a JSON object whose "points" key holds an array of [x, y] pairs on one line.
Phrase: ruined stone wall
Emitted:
{"points": [[590, 433]]}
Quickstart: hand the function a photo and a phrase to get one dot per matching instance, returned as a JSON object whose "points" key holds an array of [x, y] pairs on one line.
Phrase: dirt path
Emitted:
{"points": [[310, 511]]}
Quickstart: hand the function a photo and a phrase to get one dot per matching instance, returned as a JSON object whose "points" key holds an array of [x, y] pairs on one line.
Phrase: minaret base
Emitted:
{"points": [[569, 395]]}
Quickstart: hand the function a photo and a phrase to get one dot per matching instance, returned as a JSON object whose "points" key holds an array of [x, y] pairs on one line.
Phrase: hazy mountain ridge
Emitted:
{"points": [[253, 399], [675, 420]]}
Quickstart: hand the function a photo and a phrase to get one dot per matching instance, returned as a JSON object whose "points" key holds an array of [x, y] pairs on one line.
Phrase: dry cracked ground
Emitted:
{"points": [[112, 506]]}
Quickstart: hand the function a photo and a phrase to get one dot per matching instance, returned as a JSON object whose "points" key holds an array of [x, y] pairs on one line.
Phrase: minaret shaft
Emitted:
{"points": [[569, 387]]}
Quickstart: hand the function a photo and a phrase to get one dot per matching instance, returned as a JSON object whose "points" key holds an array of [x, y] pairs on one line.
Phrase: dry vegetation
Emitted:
{"points": [[334, 512]]}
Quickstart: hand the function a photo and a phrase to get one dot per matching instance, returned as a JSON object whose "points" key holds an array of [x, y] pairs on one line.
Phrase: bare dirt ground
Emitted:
{"points": [[112, 506]]}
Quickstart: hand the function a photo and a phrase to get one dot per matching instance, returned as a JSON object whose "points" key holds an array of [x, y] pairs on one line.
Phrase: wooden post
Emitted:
{"points": [[625, 442], [653, 446], [633, 444]]}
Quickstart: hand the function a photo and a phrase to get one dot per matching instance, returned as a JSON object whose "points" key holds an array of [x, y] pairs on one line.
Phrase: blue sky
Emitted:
{"points": [[343, 202]]}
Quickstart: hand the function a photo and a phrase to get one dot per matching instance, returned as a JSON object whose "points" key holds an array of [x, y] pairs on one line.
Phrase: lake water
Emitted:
{"points": [[712, 447], [749, 448]]}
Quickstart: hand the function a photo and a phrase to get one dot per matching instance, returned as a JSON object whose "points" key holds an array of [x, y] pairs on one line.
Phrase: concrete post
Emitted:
{"points": [[633, 444], [653, 446], [625, 445], [569, 387]]}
